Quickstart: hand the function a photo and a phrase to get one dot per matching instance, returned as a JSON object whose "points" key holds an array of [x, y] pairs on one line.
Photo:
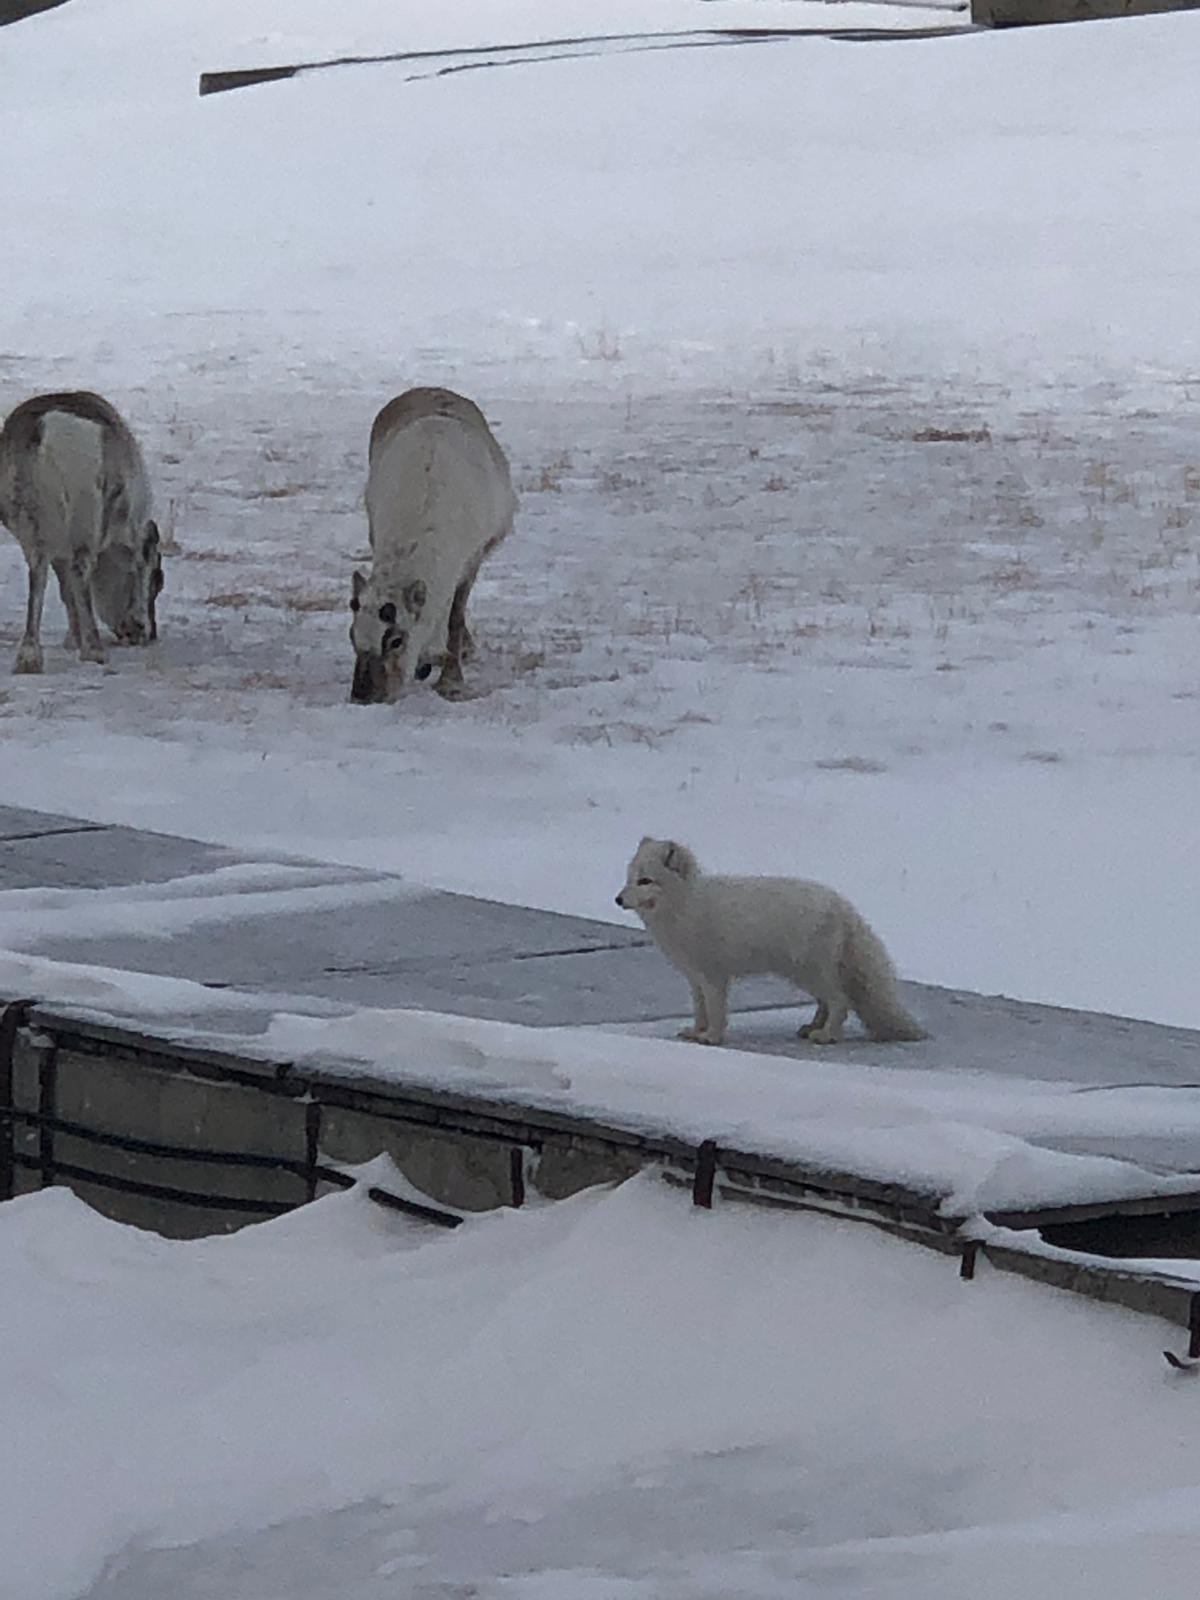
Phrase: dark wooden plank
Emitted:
{"points": [[18, 10], [1154, 1205]]}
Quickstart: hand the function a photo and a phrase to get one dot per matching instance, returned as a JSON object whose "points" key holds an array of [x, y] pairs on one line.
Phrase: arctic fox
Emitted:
{"points": [[715, 929]]}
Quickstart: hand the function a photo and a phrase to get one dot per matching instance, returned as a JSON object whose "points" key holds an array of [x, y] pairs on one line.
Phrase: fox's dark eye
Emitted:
{"points": [[645, 883], [354, 604]]}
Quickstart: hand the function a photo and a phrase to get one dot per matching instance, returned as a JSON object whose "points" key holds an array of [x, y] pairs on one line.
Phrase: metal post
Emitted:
{"points": [[312, 1145], [12, 1019], [47, 1107], [706, 1174]]}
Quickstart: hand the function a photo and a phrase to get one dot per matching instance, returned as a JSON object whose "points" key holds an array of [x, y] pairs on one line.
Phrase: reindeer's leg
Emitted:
{"points": [[460, 642], [29, 651], [62, 573], [450, 683], [80, 575]]}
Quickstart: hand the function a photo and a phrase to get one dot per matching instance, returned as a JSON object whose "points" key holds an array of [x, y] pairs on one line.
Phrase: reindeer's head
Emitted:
{"points": [[658, 875], [389, 632], [126, 584]]}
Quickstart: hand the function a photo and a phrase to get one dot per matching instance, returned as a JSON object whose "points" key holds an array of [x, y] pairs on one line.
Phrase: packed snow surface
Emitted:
{"points": [[613, 1398]]}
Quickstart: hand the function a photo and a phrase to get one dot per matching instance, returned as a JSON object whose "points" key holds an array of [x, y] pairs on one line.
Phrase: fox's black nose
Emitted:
{"points": [[619, 901]]}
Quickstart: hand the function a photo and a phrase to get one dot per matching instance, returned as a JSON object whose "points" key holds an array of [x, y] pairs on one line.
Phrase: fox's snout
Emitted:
{"points": [[621, 899]]}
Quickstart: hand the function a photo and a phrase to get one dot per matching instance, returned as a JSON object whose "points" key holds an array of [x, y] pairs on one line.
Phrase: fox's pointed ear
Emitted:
{"points": [[677, 858]]}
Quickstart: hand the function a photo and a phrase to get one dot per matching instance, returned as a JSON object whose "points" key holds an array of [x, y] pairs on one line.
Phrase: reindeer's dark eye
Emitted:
{"points": [[397, 641], [423, 670], [354, 604], [387, 612]]}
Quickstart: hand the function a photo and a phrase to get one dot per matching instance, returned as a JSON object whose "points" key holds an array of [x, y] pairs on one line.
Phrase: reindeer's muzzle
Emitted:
{"points": [[370, 681]]}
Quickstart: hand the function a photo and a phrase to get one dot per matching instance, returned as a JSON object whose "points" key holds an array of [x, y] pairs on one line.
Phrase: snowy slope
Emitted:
{"points": [[614, 1398]]}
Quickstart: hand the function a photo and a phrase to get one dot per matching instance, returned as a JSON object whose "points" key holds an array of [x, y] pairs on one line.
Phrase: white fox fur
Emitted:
{"points": [[74, 494], [716, 929], [439, 500]]}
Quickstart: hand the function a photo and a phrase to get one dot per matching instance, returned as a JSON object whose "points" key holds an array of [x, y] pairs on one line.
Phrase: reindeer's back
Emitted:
{"points": [[431, 446], [113, 463]]}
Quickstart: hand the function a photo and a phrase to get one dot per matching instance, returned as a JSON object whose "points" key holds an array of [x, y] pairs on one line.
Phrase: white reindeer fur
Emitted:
{"points": [[74, 494], [715, 929], [439, 499]]}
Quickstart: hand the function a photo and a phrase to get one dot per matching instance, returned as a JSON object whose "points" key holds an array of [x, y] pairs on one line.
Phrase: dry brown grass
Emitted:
{"points": [[952, 436], [185, 554], [865, 764], [314, 603]]}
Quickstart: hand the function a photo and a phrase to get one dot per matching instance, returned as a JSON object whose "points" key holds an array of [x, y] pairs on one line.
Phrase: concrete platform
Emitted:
{"points": [[453, 953], [290, 936]]}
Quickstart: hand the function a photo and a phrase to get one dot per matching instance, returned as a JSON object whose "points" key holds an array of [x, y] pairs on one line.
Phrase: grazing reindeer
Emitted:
{"points": [[439, 500], [74, 495]]}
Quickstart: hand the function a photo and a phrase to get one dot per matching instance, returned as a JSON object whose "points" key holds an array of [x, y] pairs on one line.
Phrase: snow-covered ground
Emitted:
{"points": [[852, 392], [723, 306], [613, 1398]]}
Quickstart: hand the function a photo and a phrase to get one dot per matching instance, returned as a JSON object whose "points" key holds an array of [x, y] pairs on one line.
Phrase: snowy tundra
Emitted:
{"points": [[75, 496], [716, 929], [439, 500]]}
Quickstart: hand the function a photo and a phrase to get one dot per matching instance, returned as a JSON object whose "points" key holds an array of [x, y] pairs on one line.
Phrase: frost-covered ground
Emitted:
{"points": [[852, 392]]}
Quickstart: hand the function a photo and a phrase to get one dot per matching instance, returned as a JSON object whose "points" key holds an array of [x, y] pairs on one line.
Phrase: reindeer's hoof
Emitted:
{"points": [[29, 659], [451, 688], [97, 655]]}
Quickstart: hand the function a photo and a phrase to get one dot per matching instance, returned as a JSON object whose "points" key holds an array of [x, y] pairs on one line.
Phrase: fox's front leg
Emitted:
{"points": [[699, 1027], [714, 997]]}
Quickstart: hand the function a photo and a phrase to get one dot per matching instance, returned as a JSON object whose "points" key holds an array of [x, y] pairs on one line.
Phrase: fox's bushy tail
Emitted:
{"points": [[870, 981]]}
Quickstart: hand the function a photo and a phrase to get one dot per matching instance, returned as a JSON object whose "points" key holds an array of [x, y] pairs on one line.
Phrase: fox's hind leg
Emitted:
{"points": [[820, 1018], [826, 1027]]}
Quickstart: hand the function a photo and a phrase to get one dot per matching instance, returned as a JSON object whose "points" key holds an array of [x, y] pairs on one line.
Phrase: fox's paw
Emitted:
{"points": [[823, 1036], [691, 1035]]}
